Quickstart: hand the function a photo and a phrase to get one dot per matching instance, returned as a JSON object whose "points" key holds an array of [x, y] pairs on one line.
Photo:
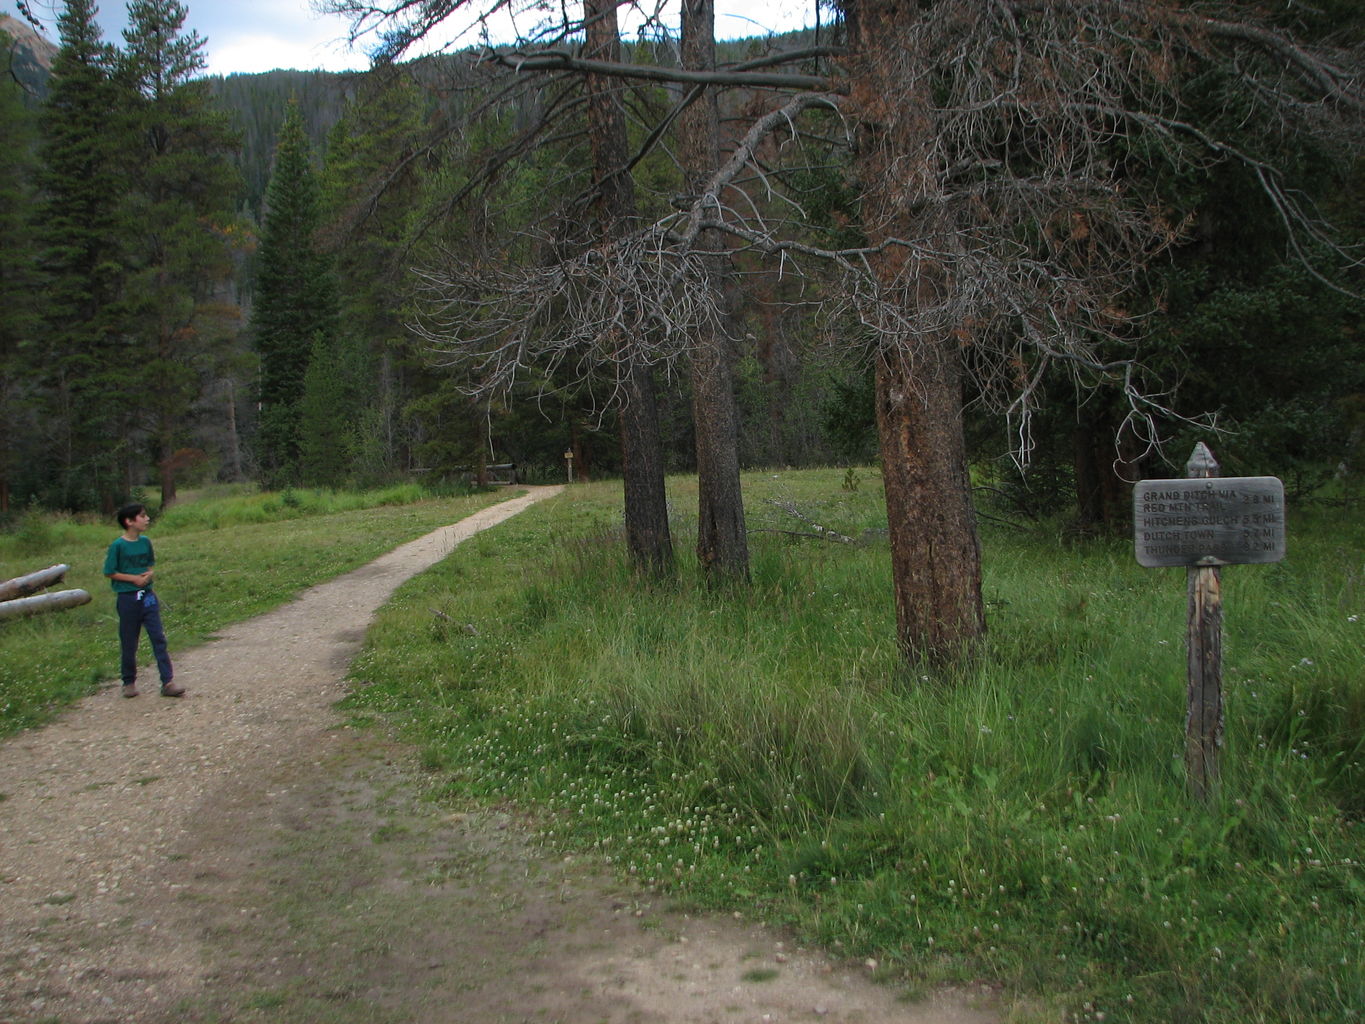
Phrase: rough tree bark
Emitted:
{"points": [[722, 543], [935, 553], [648, 540]]}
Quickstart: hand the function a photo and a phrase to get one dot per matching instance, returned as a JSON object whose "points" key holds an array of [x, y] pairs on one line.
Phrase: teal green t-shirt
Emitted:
{"points": [[128, 556]]}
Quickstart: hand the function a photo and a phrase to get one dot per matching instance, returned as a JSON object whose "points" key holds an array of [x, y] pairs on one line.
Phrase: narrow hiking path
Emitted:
{"points": [[243, 855]]}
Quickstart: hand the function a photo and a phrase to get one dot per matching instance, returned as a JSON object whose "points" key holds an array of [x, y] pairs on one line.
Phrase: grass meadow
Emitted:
{"points": [[221, 558], [1020, 822]]}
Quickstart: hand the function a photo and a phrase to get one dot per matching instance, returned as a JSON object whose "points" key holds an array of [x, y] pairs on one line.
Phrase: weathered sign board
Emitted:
{"points": [[1228, 520], [1203, 522]]}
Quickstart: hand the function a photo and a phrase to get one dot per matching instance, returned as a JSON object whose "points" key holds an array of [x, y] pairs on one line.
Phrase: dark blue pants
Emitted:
{"points": [[139, 610]]}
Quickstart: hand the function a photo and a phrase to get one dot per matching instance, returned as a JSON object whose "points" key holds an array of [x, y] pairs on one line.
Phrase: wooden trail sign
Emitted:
{"points": [[1202, 522], [1206, 521]]}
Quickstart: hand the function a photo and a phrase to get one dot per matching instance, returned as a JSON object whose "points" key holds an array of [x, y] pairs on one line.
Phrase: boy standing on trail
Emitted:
{"points": [[128, 566]]}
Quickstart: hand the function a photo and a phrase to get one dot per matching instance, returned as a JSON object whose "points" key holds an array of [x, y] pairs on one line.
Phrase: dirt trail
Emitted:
{"points": [[242, 855]]}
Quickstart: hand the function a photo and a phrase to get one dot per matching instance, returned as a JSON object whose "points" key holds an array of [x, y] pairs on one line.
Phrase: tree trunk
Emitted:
{"points": [[167, 466], [582, 458], [1091, 512], [935, 553], [647, 532], [168, 489], [233, 444], [648, 540], [1107, 465], [722, 543], [6, 461]]}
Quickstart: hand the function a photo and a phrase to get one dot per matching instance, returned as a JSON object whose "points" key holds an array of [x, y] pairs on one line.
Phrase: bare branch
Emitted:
{"points": [[790, 57], [561, 60], [1333, 80], [823, 532], [27, 13]]}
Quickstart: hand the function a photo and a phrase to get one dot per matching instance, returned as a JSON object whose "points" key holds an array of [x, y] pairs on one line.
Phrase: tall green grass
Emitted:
{"points": [[1022, 819], [219, 560]]}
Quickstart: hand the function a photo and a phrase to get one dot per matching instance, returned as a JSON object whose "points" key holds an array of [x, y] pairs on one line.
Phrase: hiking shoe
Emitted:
{"points": [[172, 690], [129, 690]]}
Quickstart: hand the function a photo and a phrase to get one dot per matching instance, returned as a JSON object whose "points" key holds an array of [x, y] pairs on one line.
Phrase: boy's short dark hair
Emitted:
{"points": [[130, 512]]}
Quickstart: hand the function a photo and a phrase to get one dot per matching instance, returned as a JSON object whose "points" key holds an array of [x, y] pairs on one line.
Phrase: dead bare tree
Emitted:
{"points": [[648, 537], [605, 345], [996, 152], [722, 543], [997, 149]]}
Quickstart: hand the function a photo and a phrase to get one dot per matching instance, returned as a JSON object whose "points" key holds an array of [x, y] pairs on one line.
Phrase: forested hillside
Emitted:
{"points": [[28, 59], [257, 105]]}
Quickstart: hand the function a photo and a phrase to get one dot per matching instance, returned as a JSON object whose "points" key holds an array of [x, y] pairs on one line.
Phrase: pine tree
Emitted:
{"points": [[89, 395], [368, 212], [648, 537], [182, 188], [328, 411], [18, 306], [295, 300]]}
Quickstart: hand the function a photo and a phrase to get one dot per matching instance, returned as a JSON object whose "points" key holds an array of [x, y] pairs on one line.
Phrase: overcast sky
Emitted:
{"points": [[261, 35]]}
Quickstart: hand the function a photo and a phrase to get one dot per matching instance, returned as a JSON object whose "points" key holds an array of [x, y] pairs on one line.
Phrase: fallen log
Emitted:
{"points": [[22, 586], [43, 603], [822, 532]]}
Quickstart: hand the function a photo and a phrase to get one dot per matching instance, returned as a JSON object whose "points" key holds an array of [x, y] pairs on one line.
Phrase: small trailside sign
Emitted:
{"points": [[1228, 520]]}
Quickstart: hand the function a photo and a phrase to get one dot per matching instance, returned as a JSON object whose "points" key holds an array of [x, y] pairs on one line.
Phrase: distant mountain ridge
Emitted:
{"points": [[28, 58]]}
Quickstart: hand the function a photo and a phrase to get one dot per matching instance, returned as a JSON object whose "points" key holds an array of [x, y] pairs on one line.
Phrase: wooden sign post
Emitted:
{"points": [[1204, 522], [1204, 657]]}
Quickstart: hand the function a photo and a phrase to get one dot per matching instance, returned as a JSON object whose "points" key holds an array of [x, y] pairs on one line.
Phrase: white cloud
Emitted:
{"points": [[251, 52], [261, 35]]}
